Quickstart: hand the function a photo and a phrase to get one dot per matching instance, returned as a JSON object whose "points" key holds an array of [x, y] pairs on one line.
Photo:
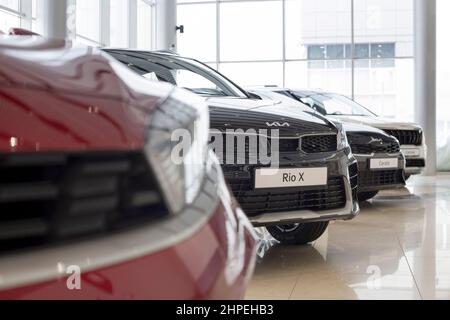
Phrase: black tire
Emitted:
{"points": [[299, 234], [365, 196]]}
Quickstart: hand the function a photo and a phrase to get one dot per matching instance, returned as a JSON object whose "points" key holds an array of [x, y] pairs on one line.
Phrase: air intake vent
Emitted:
{"points": [[380, 178], [369, 143], [415, 163], [46, 198], [407, 137], [353, 172], [319, 143], [256, 202]]}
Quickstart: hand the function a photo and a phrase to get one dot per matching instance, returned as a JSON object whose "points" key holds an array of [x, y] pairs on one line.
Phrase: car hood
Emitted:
{"points": [[56, 97], [245, 114], [357, 127], [61, 66], [378, 122]]}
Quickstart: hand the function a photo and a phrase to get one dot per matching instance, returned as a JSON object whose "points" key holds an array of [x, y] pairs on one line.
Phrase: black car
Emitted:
{"points": [[381, 164], [312, 176], [344, 109]]}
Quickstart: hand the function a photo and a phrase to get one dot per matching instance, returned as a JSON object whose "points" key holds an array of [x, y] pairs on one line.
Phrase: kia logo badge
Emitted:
{"points": [[278, 124]]}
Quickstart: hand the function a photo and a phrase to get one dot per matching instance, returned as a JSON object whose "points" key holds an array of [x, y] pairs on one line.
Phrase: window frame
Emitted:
{"points": [[349, 55], [104, 22], [24, 13]]}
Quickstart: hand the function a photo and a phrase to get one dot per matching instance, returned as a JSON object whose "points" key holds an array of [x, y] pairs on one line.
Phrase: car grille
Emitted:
{"points": [[289, 145], [361, 144], [47, 198], [252, 145], [407, 137], [367, 149], [415, 163], [256, 202], [319, 143], [380, 178]]}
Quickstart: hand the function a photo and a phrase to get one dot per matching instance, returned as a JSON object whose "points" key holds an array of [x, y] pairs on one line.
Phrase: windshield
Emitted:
{"points": [[331, 104], [185, 73]]}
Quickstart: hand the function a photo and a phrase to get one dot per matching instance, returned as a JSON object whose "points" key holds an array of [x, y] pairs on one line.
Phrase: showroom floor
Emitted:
{"points": [[398, 248]]}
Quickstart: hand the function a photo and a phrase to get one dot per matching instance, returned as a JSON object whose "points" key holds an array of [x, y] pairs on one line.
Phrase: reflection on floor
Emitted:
{"points": [[397, 248]]}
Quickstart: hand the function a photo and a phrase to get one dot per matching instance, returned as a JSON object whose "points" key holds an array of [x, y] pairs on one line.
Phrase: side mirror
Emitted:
{"points": [[254, 96]]}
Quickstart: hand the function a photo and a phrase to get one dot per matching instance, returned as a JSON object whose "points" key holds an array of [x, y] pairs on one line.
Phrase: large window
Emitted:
{"points": [[88, 22], [144, 24], [365, 53], [443, 92], [200, 35], [384, 69], [16, 14], [251, 31], [115, 23], [119, 32], [313, 24]]}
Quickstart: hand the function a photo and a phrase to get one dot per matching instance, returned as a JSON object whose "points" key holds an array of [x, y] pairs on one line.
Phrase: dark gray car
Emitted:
{"points": [[311, 182], [381, 164]]}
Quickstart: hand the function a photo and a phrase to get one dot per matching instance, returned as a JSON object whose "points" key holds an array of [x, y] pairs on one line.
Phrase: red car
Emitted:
{"points": [[92, 207]]}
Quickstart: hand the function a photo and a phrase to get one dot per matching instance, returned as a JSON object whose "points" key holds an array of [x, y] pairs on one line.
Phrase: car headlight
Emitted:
{"points": [[342, 137], [177, 147]]}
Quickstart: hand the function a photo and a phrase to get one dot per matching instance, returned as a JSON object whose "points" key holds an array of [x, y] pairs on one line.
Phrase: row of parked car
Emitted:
{"points": [[117, 182]]}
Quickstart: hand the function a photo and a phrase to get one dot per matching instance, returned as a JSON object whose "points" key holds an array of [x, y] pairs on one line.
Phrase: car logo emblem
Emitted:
{"points": [[278, 124]]}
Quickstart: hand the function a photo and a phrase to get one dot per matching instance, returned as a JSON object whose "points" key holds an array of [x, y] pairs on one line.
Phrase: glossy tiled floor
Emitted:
{"points": [[398, 248]]}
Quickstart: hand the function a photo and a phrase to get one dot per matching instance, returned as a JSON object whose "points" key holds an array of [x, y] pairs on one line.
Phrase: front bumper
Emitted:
{"points": [[350, 210], [266, 207], [151, 262], [377, 180], [415, 158]]}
